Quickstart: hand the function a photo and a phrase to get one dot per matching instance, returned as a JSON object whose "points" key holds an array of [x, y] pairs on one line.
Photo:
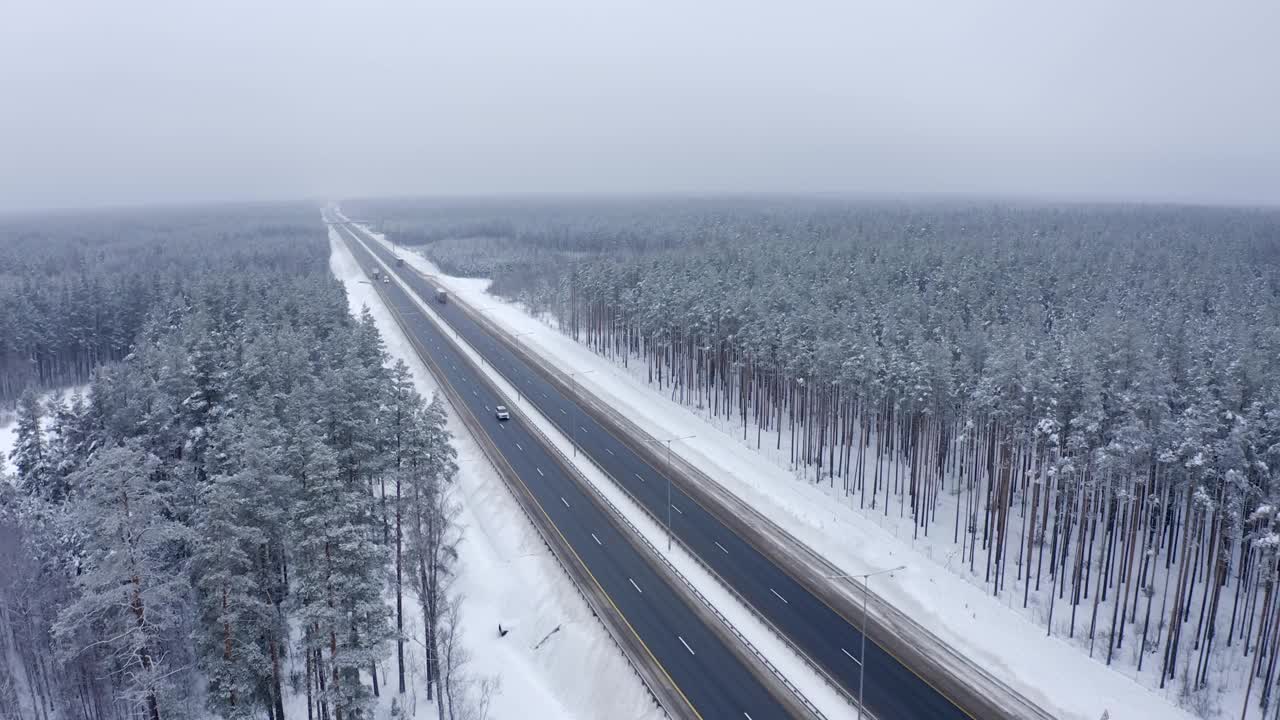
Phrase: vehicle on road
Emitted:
{"points": [[386, 278], [399, 262], [441, 295], [501, 412]]}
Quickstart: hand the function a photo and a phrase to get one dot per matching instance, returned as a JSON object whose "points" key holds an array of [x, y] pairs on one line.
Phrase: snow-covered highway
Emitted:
{"points": [[828, 639], [710, 676]]}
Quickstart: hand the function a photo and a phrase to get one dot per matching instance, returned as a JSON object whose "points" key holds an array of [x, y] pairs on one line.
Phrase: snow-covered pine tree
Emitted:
{"points": [[241, 636], [29, 451], [401, 411], [130, 576], [339, 576], [432, 533], [70, 434]]}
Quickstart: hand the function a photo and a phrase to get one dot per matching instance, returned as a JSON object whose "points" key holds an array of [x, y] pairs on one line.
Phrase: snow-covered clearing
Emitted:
{"points": [[557, 661], [995, 633], [8, 433]]}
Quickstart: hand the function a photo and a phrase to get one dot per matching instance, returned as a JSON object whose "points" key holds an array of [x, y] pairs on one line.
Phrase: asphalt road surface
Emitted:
{"points": [[710, 677], [892, 690]]}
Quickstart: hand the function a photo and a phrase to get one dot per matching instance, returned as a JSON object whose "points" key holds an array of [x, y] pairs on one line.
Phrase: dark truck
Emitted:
{"points": [[399, 262], [441, 296]]}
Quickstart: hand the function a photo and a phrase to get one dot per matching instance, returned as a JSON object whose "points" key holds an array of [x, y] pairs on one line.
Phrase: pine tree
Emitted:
{"points": [[131, 551], [70, 441], [432, 533], [402, 411], [235, 577], [339, 574], [29, 455]]}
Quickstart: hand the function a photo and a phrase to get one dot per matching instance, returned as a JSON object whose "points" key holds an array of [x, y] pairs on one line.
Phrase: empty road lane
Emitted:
{"points": [[712, 679], [892, 690]]}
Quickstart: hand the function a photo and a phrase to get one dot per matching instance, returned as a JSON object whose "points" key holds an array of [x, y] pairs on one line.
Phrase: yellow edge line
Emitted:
{"points": [[674, 684], [610, 599], [818, 597]]}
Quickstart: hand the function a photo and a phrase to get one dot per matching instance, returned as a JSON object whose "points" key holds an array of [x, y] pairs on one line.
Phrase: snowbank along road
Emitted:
{"points": [[892, 689], [710, 676]]}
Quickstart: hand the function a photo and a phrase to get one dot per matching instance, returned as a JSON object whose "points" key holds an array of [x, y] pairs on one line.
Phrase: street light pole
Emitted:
{"points": [[485, 309], [670, 470], [862, 653], [573, 424], [517, 339]]}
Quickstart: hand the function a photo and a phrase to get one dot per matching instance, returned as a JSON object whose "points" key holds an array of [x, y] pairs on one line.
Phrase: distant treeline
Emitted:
{"points": [[75, 288]]}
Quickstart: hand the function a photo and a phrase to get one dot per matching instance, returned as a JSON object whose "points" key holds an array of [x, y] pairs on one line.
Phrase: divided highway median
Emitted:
{"points": [[701, 671], [928, 666]]}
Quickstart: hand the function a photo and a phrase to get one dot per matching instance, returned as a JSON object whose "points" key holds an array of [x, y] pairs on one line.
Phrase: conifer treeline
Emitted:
{"points": [[77, 287], [1084, 402], [221, 520]]}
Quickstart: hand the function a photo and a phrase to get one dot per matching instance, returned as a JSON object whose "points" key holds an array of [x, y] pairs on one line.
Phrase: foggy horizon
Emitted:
{"points": [[144, 104], [481, 359]]}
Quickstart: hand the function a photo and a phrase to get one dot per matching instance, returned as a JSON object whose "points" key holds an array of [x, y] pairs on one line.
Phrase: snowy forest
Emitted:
{"points": [[1081, 403], [77, 292], [236, 517]]}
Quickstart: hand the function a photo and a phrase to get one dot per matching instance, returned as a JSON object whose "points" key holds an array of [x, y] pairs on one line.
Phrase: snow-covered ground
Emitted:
{"points": [[557, 661], [1050, 671], [8, 433]]}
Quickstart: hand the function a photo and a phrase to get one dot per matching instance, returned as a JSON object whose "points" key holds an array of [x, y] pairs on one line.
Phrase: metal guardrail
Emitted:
{"points": [[619, 516], [884, 608], [821, 673], [495, 460], [804, 700], [892, 616], [617, 513]]}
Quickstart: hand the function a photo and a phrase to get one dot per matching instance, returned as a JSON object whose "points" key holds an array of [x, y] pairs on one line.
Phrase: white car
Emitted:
{"points": [[501, 413]]}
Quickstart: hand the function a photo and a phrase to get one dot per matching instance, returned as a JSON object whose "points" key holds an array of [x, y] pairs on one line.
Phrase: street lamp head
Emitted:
{"points": [[886, 571], [862, 576]]}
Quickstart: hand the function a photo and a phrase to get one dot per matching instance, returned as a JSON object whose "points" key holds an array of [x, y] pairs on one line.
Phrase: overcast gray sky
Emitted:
{"points": [[137, 101]]}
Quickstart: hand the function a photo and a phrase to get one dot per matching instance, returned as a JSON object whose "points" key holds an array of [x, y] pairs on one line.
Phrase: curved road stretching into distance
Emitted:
{"points": [[892, 691], [710, 677]]}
